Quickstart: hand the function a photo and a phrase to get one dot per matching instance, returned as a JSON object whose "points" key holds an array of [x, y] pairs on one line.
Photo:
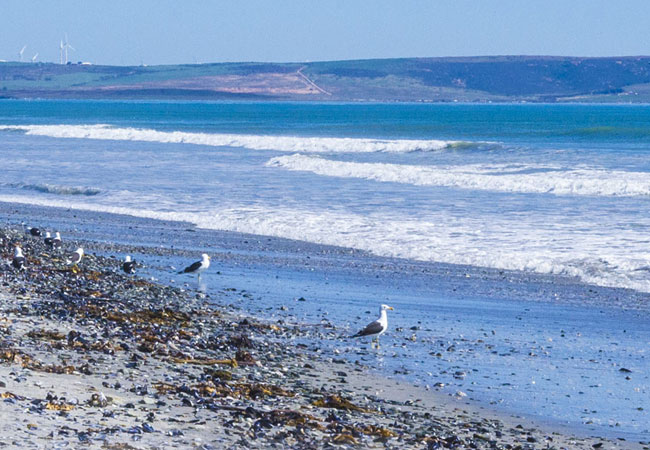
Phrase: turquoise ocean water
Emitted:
{"points": [[557, 190], [562, 189]]}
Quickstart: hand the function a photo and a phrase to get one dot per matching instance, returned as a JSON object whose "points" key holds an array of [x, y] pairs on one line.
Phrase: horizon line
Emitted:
{"points": [[81, 62]]}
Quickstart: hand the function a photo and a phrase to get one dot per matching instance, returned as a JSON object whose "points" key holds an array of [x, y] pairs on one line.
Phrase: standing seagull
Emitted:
{"points": [[128, 266], [56, 241], [19, 259], [378, 327], [74, 258], [198, 266]]}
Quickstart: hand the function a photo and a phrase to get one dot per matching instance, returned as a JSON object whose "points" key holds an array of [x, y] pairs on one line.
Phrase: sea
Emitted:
{"points": [[554, 199]]}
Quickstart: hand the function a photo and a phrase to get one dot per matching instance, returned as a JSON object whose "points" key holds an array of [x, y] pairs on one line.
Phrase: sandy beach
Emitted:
{"points": [[97, 358]]}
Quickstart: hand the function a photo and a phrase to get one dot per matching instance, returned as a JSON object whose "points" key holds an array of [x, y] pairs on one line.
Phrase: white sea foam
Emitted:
{"points": [[596, 255], [543, 179], [254, 142]]}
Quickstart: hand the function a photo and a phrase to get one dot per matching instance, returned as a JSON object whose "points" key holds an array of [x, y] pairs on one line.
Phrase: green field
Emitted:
{"points": [[478, 79]]}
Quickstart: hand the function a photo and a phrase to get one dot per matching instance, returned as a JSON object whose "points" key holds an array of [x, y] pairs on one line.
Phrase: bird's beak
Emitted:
{"points": [[391, 308]]}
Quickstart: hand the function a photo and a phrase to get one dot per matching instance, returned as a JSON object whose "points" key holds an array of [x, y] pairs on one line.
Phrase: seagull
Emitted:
{"points": [[74, 258], [198, 266], [128, 266], [378, 327], [19, 259], [56, 241], [35, 232], [48, 239]]}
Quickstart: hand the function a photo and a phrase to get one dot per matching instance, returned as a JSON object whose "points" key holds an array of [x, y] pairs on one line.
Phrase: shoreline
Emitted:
{"points": [[451, 418], [66, 217]]}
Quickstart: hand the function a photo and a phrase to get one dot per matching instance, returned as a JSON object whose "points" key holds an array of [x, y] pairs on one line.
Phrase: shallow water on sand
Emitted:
{"points": [[542, 346]]}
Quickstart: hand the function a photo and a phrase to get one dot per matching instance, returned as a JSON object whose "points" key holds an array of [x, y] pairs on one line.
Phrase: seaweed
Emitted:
{"points": [[50, 335], [216, 374], [224, 389], [338, 402], [59, 406], [205, 361], [8, 394]]}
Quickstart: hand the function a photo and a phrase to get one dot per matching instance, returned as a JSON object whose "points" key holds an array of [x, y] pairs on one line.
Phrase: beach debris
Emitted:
{"points": [[224, 389], [337, 402], [206, 361], [50, 335], [220, 375], [11, 395], [99, 400], [240, 341], [344, 438], [244, 358], [59, 405], [104, 329]]}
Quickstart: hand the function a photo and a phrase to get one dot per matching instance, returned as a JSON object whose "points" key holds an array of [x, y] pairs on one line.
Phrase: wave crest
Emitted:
{"points": [[56, 189], [516, 178], [254, 142], [596, 257]]}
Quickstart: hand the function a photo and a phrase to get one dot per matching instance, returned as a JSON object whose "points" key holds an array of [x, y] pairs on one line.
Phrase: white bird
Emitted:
{"points": [[128, 266], [377, 327], [56, 241], [198, 266], [19, 259], [74, 258]]}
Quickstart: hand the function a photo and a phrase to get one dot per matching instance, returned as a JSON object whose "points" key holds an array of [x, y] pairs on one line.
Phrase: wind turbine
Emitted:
{"points": [[34, 57], [65, 46], [61, 51], [22, 50]]}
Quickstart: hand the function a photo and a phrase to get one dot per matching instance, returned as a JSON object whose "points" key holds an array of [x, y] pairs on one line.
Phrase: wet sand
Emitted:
{"points": [[97, 358]]}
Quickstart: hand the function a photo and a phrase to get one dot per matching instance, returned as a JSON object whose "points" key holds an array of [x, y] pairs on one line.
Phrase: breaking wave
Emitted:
{"points": [[594, 258], [254, 142], [517, 178], [56, 189]]}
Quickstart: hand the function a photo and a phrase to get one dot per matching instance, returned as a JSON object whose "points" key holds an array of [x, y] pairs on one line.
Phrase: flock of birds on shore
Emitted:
{"points": [[374, 329], [55, 243], [74, 258]]}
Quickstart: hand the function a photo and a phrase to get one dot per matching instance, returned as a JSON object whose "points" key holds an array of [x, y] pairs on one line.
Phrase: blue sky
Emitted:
{"points": [[189, 31]]}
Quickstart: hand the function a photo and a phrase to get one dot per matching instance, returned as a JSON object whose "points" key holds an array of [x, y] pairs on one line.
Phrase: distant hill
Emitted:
{"points": [[466, 79]]}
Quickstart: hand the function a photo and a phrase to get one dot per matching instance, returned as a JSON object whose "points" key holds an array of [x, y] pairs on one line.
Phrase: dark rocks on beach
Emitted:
{"points": [[158, 365]]}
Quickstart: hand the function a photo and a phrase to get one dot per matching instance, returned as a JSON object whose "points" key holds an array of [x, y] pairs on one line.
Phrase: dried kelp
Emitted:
{"points": [[338, 402]]}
